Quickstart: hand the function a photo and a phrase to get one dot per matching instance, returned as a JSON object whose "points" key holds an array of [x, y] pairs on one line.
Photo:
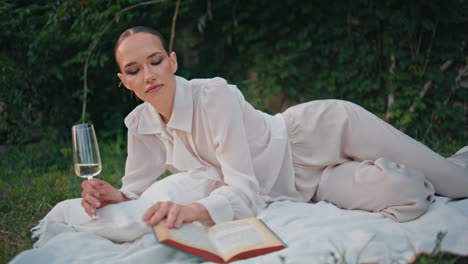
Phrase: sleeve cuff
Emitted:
{"points": [[218, 207], [129, 195]]}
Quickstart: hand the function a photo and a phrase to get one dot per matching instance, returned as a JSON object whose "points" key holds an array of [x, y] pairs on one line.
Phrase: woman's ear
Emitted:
{"points": [[173, 58], [122, 80]]}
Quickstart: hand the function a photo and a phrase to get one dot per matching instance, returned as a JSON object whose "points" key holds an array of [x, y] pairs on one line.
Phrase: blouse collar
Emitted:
{"points": [[182, 111]]}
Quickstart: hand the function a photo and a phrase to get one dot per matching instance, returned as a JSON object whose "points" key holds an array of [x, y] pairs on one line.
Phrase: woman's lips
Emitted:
{"points": [[153, 88]]}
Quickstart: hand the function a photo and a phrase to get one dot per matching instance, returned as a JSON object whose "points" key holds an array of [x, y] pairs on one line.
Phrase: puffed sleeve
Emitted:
{"points": [[239, 196], [145, 160]]}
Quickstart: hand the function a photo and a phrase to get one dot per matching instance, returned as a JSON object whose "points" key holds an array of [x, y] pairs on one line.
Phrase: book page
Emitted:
{"points": [[190, 234], [234, 237]]}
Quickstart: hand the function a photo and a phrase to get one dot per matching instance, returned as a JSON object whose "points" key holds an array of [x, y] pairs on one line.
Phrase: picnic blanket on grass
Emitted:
{"points": [[314, 233]]}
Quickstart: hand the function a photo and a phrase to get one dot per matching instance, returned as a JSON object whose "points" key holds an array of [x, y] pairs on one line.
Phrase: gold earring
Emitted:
{"points": [[120, 84]]}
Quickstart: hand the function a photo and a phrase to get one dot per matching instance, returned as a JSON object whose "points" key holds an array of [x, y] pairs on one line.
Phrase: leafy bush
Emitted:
{"points": [[405, 61]]}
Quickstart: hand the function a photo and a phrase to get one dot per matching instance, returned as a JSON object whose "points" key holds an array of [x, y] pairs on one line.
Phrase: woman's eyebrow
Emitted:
{"points": [[129, 64], [154, 54]]}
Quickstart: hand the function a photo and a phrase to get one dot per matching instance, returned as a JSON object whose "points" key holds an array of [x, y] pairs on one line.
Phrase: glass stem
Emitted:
{"points": [[92, 206]]}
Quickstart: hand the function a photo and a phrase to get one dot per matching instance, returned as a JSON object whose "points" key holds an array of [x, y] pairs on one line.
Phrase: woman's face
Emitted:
{"points": [[147, 69]]}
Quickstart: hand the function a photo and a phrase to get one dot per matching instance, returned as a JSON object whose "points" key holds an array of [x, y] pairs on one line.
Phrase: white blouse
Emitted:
{"points": [[213, 133]]}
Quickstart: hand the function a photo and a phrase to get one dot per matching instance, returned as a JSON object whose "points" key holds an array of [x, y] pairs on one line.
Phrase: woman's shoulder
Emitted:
{"points": [[208, 84], [215, 89], [215, 94], [133, 118]]}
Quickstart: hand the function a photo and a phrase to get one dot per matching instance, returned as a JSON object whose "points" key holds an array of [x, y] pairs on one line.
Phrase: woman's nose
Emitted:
{"points": [[149, 74]]}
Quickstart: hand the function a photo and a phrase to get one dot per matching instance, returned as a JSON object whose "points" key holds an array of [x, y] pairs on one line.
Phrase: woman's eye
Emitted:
{"points": [[132, 72], [157, 62]]}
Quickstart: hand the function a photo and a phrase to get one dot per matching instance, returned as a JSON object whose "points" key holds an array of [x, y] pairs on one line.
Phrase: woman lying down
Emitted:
{"points": [[229, 160]]}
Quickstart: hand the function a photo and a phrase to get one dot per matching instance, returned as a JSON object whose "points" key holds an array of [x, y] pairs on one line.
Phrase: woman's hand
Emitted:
{"points": [[99, 193], [176, 214]]}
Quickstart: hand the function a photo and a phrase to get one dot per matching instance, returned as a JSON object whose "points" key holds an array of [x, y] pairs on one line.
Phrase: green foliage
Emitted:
{"points": [[44, 46], [364, 51], [344, 50]]}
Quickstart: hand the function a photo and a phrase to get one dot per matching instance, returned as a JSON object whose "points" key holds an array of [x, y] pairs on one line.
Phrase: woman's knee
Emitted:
{"points": [[401, 193], [383, 186]]}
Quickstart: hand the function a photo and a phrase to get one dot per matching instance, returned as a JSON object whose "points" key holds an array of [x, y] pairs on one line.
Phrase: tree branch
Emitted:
{"points": [[461, 73], [429, 49], [174, 20], [391, 96], [428, 85]]}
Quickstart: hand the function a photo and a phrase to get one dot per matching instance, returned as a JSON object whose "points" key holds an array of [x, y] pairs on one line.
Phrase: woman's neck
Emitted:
{"points": [[164, 103], [165, 119], [163, 113], [164, 110]]}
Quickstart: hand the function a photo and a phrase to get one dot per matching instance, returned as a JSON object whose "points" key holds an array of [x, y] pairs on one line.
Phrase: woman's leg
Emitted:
{"points": [[400, 193], [335, 142], [370, 138]]}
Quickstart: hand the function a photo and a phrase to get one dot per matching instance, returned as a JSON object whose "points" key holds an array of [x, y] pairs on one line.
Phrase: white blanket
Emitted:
{"points": [[314, 233]]}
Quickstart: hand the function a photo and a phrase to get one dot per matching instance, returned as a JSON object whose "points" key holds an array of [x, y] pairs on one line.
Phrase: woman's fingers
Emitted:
{"points": [[91, 196], [101, 191], [96, 194], [181, 218], [87, 187], [106, 193], [97, 183], [160, 213], [174, 213], [93, 201], [88, 208], [149, 213]]}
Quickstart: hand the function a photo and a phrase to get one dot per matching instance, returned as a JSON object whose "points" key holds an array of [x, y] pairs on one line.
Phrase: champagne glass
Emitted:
{"points": [[86, 151]]}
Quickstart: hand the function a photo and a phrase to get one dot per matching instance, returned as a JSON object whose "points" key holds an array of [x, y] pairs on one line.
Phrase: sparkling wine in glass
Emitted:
{"points": [[86, 153]]}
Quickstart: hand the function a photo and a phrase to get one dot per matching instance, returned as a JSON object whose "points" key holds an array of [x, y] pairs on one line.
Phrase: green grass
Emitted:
{"points": [[33, 178]]}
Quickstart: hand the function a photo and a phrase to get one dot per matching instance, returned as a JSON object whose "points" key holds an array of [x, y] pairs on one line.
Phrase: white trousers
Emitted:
{"points": [[346, 155]]}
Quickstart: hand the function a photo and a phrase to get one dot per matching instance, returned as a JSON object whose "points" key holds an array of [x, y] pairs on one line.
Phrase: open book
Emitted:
{"points": [[222, 243]]}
